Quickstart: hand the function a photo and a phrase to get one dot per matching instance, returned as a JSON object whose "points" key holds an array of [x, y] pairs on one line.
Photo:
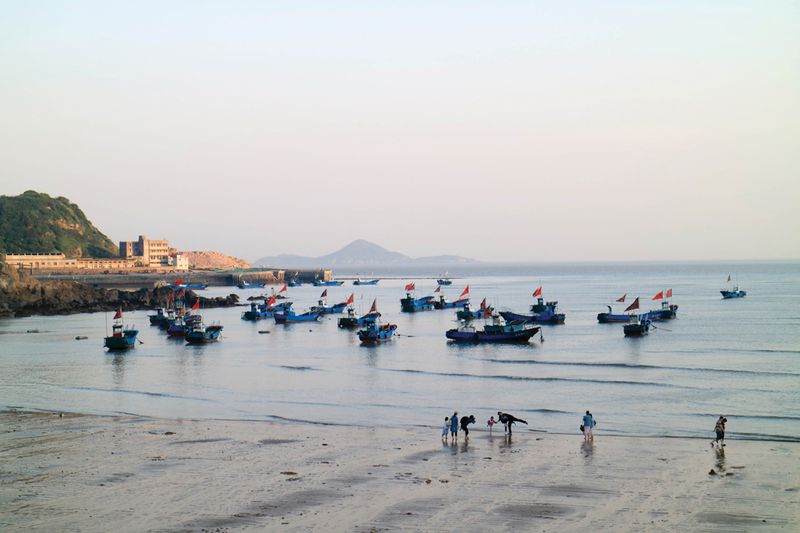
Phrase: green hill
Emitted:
{"points": [[34, 222]]}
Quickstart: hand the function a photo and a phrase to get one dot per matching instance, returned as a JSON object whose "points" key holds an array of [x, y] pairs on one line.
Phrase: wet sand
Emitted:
{"points": [[92, 473]]}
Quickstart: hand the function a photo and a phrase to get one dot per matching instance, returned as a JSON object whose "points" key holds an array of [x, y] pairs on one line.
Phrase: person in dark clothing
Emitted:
{"points": [[507, 420], [465, 421]]}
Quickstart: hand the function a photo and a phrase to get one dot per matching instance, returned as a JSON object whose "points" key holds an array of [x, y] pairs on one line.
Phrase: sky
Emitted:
{"points": [[503, 131]]}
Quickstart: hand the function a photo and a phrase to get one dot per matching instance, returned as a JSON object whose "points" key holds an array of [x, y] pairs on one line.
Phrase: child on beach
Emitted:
{"points": [[491, 422], [445, 428]]}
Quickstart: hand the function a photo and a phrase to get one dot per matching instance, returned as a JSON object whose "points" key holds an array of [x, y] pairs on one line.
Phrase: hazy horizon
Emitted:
{"points": [[525, 132]]}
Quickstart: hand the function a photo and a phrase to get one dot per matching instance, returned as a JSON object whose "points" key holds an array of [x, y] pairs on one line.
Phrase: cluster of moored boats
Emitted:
{"points": [[503, 326]]}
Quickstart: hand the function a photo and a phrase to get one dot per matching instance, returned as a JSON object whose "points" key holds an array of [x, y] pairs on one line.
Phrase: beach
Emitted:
{"points": [[72, 472]]}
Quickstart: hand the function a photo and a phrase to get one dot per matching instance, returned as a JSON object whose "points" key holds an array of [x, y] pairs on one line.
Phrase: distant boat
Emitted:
{"points": [[366, 282], [544, 313], [374, 332], [409, 304], [442, 302], [196, 286], [201, 334], [289, 316], [329, 283], [246, 285], [668, 311], [638, 325], [265, 310], [735, 292], [444, 280], [121, 338], [294, 283], [158, 318], [499, 331]]}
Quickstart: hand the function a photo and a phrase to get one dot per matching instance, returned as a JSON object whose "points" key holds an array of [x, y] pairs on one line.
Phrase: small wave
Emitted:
{"points": [[140, 392], [639, 366], [752, 417], [531, 378], [301, 368]]}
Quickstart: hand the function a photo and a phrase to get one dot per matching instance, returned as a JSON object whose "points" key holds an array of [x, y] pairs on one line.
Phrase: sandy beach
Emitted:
{"points": [[91, 473]]}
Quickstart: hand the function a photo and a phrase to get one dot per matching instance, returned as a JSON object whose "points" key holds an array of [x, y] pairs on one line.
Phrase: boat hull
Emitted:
{"points": [[541, 318], [367, 282], [636, 330], [477, 336], [728, 295], [440, 304], [289, 318], [415, 305], [444, 282], [373, 335], [124, 342], [206, 336]]}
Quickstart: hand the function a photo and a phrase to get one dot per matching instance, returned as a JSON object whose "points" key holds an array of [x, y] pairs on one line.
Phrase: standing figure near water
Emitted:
{"points": [[466, 421], [491, 422], [445, 428], [588, 424], [719, 429], [454, 427], [508, 420]]}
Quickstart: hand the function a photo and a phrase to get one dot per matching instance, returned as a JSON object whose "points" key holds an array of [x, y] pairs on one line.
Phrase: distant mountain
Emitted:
{"points": [[34, 222], [357, 253], [211, 260]]}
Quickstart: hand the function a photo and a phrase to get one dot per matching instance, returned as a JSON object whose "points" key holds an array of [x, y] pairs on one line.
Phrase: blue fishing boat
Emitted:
{"points": [[201, 334], [157, 318], [374, 331], [544, 313], [294, 283], [409, 304], [366, 282], [329, 283], [444, 280], [467, 313], [289, 317], [351, 321], [735, 293], [638, 326], [442, 303], [181, 324], [196, 286], [121, 338], [265, 310], [247, 285], [329, 309], [498, 331]]}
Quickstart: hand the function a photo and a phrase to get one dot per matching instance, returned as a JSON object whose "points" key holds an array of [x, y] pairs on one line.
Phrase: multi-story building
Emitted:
{"points": [[150, 253]]}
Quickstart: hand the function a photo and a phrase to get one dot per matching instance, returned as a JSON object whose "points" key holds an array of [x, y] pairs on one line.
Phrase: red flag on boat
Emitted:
{"points": [[465, 292], [410, 286], [181, 294], [118, 314], [537, 292], [729, 278], [178, 282], [271, 301], [483, 304], [374, 309], [622, 298], [659, 296], [669, 293], [351, 299], [634, 305], [196, 305], [170, 296], [324, 294], [283, 289], [438, 288]]}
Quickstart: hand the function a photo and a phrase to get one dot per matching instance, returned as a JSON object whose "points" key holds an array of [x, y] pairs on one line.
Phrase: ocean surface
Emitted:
{"points": [[739, 358]]}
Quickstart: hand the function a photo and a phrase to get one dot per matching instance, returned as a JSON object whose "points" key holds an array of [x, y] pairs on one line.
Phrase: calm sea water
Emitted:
{"points": [[740, 358]]}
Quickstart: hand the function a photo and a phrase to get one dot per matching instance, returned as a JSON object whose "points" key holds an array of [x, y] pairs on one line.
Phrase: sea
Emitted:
{"points": [[737, 358]]}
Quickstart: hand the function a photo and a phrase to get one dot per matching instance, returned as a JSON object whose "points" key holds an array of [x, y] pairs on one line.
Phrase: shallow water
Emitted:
{"points": [[740, 358]]}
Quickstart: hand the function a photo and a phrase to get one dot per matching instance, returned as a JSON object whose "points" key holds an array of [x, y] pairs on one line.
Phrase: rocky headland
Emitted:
{"points": [[22, 295]]}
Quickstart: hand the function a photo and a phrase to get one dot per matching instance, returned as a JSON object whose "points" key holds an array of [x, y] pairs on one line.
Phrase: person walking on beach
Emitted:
{"points": [[445, 427], [588, 424], [491, 422], [466, 421], [719, 429], [508, 420], [454, 427]]}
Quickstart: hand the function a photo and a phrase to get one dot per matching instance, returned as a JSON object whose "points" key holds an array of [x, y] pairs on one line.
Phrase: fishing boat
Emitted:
{"points": [[467, 313], [265, 310], [121, 338], [546, 315], [157, 318], [667, 312], [638, 326], [201, 334], [498, 331], [289, 317], [351, 321], [366, 282], [329, 283], [181, 324], [442, 303], [444, 280], [329, 309], [733, 292], [374, 331], [247, 285]]}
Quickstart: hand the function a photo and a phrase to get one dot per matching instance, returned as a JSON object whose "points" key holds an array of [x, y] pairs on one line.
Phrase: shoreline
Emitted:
{"points": [[131, 473]]}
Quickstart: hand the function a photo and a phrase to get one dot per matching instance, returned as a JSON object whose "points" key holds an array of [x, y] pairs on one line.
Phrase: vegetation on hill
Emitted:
{"points": [[34, 222]]}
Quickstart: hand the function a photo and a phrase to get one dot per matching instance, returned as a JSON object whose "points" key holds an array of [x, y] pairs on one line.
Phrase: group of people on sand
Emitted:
{"points": [[452, 423]]}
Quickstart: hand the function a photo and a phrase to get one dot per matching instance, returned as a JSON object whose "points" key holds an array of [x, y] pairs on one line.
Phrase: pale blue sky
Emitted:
{"points": [[503, 130]]}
